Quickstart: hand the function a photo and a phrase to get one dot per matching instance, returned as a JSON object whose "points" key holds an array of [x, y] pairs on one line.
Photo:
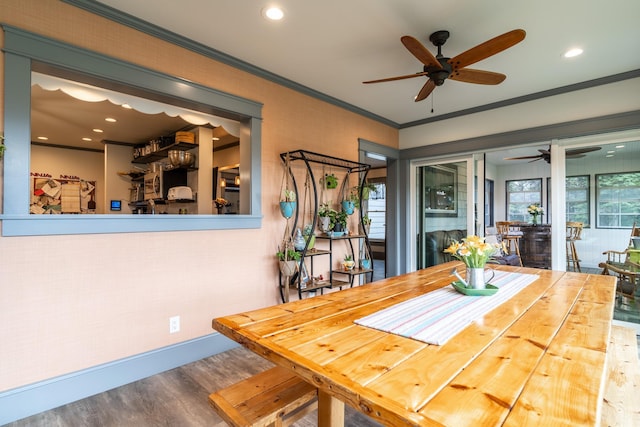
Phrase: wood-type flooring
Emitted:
{"points": [[176, 398]]}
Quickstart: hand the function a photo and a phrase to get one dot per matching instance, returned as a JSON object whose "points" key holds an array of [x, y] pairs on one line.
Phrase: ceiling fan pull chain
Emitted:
{"points": [[433, 95]]}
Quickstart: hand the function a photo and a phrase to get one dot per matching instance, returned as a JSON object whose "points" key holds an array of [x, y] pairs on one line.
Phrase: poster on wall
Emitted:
{"points": [[51, 196]]}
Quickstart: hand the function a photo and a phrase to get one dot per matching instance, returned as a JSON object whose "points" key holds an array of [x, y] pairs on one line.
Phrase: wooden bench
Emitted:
{"points": [[621, 403], [275, 397]]}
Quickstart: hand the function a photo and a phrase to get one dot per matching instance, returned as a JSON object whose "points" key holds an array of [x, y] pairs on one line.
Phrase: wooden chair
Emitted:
{"points": [[511, 236], [627, 271], [574, 232], [276, 397]]}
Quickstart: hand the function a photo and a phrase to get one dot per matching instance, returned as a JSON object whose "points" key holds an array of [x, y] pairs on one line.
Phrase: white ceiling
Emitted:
{"points": [[331, 46]]}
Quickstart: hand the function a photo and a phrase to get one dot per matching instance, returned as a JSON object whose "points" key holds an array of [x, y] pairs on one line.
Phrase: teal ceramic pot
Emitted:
{"points": [[287, 209]]}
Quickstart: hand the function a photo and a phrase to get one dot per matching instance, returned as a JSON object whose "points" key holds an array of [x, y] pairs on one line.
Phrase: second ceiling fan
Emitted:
{"points": [[546, 154], [439, 68]]}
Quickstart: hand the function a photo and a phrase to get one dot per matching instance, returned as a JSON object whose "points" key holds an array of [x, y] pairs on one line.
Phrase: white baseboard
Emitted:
{"points": [[32, 399]]}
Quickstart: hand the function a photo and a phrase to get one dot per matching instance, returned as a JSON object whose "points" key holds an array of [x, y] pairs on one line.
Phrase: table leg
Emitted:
{"points": [[330, 410]]}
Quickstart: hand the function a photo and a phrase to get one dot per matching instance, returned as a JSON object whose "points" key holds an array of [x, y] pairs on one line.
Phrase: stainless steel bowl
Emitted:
{"points": [[176, 157], [181, 158]]}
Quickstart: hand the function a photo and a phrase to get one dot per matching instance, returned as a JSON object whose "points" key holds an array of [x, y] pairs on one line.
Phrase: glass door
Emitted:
{"points": [[443, 207]]}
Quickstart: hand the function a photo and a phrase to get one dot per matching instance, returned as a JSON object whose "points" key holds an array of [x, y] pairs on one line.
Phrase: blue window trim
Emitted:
{"points": [[24, 50]]}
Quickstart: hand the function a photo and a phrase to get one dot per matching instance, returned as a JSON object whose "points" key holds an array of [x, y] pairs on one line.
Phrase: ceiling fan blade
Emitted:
{"points": [[477, 76], [390, 79], [419, 51], [576, 156], [523, 157], [426, 90], [581, 151], [487, 49]]}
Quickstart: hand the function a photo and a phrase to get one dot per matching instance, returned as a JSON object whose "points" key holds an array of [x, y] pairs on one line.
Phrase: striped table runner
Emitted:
{"points": [[439, 315]]}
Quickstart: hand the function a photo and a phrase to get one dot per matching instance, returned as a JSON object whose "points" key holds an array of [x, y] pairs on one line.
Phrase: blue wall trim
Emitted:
{"points": [[35, 398]]}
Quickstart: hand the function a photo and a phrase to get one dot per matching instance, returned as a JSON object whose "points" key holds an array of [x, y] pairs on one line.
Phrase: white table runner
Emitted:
{"points": [[437, 316]]}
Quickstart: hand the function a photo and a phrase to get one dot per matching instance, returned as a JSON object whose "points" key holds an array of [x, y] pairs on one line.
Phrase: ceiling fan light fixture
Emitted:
{"points": [[572, 53]]}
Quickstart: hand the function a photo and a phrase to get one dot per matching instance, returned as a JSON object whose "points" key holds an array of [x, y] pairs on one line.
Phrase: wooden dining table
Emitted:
{"points": [[538, 359]]}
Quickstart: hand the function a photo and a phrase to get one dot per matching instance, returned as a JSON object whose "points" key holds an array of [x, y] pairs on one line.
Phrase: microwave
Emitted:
{"points": [[157, 184]]}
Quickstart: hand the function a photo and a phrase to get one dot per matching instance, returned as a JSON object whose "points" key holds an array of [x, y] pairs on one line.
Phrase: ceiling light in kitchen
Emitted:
{"points": [[110, 120], [43, 138], [215, 138], [87, 139], [98, 130]]}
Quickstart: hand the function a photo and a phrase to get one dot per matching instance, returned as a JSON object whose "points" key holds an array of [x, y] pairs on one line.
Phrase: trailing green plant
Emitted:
{"points": [[365, 188], [288, 255]]}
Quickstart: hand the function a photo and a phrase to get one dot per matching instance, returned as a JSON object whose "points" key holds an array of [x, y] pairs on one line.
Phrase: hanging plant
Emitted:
{"points": [[288, 204], [2, 146]]}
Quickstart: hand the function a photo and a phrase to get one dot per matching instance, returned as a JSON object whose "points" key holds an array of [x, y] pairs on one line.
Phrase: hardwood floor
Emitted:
{"points": [[174, 398]]}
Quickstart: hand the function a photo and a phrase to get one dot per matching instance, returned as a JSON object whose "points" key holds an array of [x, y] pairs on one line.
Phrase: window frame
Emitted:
{"points": [[588, 200], [26, 52], [597, 194]]}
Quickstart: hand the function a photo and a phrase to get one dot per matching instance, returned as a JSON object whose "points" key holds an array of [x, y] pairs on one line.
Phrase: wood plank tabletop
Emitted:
{"points": [[537, 359]]}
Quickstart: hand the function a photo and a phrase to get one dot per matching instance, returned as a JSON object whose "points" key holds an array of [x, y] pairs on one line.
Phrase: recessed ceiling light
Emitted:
{"points": [[273, 13], [110, 120], [43, 138], [215, 138], [87, 139], [619, 146], [98, 130], [609, 155], [573, 52], [611, 151]]}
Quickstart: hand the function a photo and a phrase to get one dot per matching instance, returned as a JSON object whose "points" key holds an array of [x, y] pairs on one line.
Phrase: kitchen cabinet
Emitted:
{"points": [[355, 243]]}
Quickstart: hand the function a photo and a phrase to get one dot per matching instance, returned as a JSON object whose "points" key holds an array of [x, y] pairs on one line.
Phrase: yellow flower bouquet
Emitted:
{"points": [[474, 251]]}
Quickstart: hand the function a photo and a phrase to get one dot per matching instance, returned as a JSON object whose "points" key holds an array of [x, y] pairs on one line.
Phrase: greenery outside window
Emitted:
{"points": [[520, 194], [577, 199], [617, 199]]}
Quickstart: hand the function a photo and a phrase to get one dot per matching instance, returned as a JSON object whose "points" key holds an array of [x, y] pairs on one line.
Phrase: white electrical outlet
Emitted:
{"points": [[174, 324]]}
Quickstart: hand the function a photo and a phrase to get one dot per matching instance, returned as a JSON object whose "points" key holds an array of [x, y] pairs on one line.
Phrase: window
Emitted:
{"points": [[617, 199], [377, 210], [577, 199], [25, 52], [520, 194]]}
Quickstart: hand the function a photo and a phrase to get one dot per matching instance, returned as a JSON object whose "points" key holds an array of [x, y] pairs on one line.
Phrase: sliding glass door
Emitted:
{"points": [[443, 205]]}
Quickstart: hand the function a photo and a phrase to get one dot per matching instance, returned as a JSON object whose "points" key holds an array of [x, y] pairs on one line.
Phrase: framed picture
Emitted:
{"points": [[440, 185]]}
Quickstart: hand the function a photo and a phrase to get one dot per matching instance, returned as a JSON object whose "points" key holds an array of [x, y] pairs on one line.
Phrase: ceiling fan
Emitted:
{"points": [[546, 154], [439, 68]]}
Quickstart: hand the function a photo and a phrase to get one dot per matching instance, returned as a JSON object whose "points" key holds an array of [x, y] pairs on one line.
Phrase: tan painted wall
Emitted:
{"points": [[71, 302]]}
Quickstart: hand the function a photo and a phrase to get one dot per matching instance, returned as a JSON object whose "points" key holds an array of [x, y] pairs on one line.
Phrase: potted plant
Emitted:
{"points": [[309, 236], [338, 222], [365, 189], [288, 203], [325, 212], [288, 260], [351, 202], [348, 263], [366, 223]]}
